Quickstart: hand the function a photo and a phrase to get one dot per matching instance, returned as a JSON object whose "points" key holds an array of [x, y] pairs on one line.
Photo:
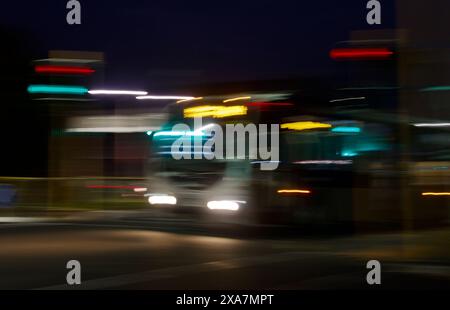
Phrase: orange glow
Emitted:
{"points": [[237, 99], [186, 100], [294, 191], [436, 194]]}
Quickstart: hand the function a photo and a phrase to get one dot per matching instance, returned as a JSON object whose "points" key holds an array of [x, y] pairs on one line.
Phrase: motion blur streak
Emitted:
{"points": [[153, 97], [324, 162], [348, 99], [179, 133], [64, 70], [230, 111], [187, 100], [237, 99], [57, 89], [360, 53], [299, 126], [436, 88], [432, 125], [68, 60], [215, 111], [110, 129], [346, 129], [117, 92], [436, 194], [293, 191]]}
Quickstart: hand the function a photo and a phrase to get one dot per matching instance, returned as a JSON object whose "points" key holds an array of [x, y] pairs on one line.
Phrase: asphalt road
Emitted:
{"points": [[144, 251]]}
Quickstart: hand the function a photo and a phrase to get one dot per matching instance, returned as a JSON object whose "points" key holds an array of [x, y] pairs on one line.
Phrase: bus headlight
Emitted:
{"points": [[162, 200], [227, 205]]}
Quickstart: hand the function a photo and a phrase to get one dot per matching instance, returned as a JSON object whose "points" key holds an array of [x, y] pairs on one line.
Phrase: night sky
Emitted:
{"points": [[157, 41]]}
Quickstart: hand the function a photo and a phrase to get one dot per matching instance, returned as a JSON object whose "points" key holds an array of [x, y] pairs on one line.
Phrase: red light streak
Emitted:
{"points": [[361, 53], [64, 70]]}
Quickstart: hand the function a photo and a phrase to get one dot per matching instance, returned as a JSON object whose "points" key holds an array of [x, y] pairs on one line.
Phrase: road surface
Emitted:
{"points": [[141, 250]]}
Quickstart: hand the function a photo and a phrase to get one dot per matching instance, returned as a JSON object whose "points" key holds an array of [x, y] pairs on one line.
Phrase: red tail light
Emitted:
{"points": [[360, 53], [64, 70]]}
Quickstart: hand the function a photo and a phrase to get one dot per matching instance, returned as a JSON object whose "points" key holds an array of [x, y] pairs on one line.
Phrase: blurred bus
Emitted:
{"points": [[339, 165]]}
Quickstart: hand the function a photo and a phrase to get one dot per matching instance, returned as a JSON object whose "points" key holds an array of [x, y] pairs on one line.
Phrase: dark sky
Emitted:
{"points": [[153, 41]]}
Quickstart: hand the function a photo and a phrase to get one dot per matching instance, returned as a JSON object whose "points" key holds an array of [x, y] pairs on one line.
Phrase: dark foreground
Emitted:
{"points": [[138, 251]]}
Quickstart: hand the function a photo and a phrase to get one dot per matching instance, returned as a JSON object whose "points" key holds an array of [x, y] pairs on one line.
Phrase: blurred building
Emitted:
{"points": [[402, 81]]}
